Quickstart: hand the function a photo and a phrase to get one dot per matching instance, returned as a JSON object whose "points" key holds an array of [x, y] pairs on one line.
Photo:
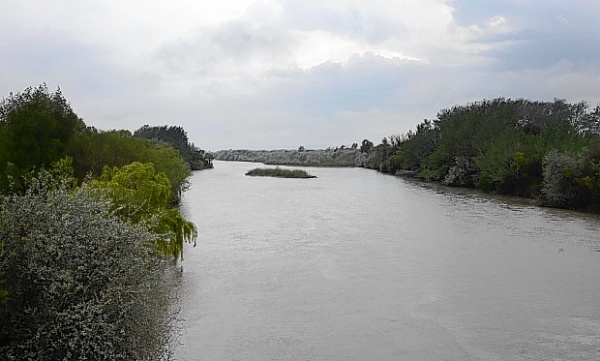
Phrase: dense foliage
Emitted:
{"points": [[38, 127], [279, 173], [35, 128], [82, 284], [93, 150], [140, 195], [546, 150], [176, 137], [87, 222]]}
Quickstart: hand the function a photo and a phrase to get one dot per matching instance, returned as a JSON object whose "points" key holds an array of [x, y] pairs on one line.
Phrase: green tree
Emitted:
{"points": [[35, 128], [176, 137], [497, 145], [419, 144], [508, 164], [94, 150], [140, 194]]}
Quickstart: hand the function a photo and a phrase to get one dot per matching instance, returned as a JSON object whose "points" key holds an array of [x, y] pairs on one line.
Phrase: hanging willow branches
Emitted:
{"points": [[141, 195]]}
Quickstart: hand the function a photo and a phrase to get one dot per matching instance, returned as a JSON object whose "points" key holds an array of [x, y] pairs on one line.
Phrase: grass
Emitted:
{"points": [[279, 173]]}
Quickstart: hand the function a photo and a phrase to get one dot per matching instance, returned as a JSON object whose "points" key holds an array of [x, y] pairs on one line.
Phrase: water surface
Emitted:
{"points": [[357, 265]]}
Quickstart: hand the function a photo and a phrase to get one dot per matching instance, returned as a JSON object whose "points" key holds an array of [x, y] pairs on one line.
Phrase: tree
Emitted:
{"points": [[366, 146], [140, 195], [176, 137], [92, 151], [419, 144], [35, 128], [209, 158]]}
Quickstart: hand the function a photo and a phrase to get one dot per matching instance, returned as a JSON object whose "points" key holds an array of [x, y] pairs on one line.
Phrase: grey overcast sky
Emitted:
{"points": [[284, 73]]}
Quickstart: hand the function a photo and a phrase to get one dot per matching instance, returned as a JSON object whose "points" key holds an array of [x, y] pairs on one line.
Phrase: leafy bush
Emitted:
{"points": [[82, 284], [433, 166], [461, 174], [561, 186]]}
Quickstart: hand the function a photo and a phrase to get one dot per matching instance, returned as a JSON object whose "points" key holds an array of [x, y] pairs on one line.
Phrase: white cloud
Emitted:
{"points": [[277, 73]]}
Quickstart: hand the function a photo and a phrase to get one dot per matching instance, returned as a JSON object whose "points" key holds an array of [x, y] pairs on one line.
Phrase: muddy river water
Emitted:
{"points": [[357, 265]]}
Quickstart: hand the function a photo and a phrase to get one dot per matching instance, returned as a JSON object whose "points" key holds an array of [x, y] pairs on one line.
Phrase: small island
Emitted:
{"points": [[279, 173]]}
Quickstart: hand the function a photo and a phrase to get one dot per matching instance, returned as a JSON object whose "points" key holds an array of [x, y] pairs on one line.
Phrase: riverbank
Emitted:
{"points": [[347, 158]]}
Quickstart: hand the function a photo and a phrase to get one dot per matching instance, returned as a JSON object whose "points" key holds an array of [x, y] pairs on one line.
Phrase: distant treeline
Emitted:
{"points": [[195, 158], [345, 157], [549, 151], [88, 219]]}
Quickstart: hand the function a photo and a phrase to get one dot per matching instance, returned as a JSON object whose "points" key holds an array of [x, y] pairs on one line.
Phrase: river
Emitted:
{"points": [[357, 265]]}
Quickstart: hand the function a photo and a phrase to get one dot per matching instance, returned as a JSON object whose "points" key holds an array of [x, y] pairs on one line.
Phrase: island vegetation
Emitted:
{"points": [[89, 227], [279, 173]]}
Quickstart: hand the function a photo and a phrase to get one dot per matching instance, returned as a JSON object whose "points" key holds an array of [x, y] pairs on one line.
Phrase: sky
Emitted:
{"points": [[271, 74]]}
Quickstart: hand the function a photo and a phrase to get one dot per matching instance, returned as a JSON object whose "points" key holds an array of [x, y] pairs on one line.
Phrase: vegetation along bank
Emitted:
{"points": [[89, 229], [549, 151], [89, 224]]}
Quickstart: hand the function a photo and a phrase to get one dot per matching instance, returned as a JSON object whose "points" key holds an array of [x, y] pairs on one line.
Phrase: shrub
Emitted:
{"points": [[461, 174], [82, 285], [279, 173], [561, 186]]}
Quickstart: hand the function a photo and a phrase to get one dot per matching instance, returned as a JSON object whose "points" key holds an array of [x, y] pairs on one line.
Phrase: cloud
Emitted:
{"points": [[231, 46], [59, 59], [539, 34], [280, 73]]}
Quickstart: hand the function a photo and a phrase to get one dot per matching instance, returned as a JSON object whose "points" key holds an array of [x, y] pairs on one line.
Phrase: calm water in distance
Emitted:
{"points": [[357, 265]]}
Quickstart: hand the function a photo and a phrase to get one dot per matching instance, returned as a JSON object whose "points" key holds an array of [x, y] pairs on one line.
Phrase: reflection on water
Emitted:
{"points": [[356, 265]]}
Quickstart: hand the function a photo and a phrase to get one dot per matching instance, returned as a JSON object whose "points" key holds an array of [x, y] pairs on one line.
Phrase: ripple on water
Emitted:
{"points": [[357, 265]]}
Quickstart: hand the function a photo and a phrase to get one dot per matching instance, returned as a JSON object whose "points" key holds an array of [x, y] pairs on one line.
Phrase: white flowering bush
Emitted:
{"points": [[561, 187], [81, 284], [461, 174]]}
